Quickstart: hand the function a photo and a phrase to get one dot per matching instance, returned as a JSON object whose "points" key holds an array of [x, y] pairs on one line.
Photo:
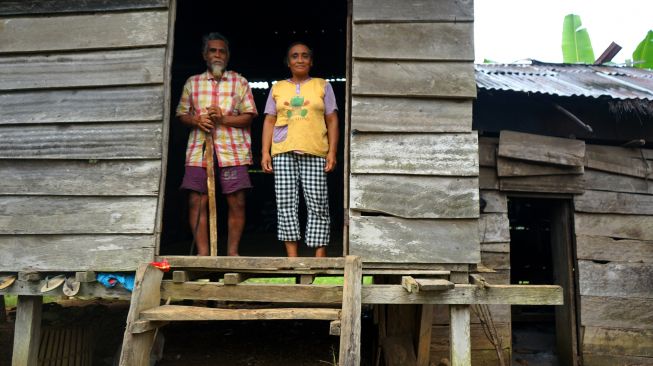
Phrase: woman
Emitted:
{"points": [[300, 139]]}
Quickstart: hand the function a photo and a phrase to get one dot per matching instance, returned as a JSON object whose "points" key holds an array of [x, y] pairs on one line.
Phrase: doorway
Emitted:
{"points": [[542, 252], [259, 34]]}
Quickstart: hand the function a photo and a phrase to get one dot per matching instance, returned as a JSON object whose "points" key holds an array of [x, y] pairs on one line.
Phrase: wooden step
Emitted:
{"points": [[180, 312]]}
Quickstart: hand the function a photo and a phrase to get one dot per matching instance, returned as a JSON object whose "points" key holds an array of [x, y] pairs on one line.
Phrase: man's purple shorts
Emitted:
{"points": [[232, 179]]}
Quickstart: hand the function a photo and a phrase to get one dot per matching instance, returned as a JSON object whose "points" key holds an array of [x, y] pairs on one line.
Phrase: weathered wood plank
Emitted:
{"points": [[350, 322], [627, 342], [495, 202], [543, 149], [460, 340], [121, 67], [616, 312], [614, 202], [603, 248], [14, 7], [414, 10], [487, 151], [507, 167], [494, 228], [75, 252], [414, 79], [380, 114], [237, 264], [424, 335], [415, 196], [96, 141], [27, 331], [391, 239], [76, 215], [602, 181], [615, 279], [488, 179], [544, 184], [144, 103], [76, 32], [615, 226], [440, 339], [80, 177], [193, 313], [495, 247], [420, 154], [597, 359], [495, 260], [624, 161], [414, 41]]}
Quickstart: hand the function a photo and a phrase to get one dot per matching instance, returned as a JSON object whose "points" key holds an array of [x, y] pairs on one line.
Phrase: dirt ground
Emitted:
{"points": [[224, 343]]}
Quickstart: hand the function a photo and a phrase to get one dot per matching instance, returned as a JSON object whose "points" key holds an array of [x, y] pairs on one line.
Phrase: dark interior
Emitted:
{"points": [[259, 34]]}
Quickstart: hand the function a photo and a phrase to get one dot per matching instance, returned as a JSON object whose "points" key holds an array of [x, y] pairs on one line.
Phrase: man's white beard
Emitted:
{"points": [[217, 69]]}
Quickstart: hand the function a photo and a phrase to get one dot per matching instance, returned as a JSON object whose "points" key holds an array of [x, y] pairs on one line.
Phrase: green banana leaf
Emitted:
{"points": [[576, 44], [643, 55]]}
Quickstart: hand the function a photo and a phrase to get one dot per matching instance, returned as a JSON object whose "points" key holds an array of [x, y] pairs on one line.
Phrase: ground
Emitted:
{"points": [[227, 343]]}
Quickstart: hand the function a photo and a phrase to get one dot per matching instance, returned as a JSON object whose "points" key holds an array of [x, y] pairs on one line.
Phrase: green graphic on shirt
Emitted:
{"points": [[296, 107]]}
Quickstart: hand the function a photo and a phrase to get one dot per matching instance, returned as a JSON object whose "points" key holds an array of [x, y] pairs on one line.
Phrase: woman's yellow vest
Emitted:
{"points": [[303, 115]]}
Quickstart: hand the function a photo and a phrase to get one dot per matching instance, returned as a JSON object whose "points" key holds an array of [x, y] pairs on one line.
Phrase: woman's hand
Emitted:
{"points": [[266, 163], [330, 162]]}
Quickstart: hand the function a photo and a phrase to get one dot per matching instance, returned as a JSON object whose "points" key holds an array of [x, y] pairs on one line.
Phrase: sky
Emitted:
{"points": [[515, 30]]}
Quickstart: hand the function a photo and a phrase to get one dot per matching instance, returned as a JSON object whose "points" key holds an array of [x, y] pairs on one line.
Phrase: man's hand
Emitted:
{"points": [[204, 123], [266, 163], [330, 162], [215, 114]]}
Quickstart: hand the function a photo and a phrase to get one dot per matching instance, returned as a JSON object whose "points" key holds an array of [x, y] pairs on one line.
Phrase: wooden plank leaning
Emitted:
{"points": [[210, 183], [136, 347], [350, 321]]}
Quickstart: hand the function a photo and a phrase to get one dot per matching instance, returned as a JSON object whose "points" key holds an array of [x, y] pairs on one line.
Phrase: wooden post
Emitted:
{"points": [[136, 347], [424, 340], [459, 338], [350, 326], [210, 183], [27, 331]]}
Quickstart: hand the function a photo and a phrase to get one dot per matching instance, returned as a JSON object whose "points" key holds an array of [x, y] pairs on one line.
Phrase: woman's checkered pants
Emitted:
{"points": [[291, 169]]}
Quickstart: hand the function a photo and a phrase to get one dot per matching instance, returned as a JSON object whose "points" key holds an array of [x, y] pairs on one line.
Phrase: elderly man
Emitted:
{"points": [[218, 102]]}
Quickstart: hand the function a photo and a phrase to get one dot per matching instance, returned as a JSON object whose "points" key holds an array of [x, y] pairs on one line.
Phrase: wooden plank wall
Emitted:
{"points": [[413, 155], [614, 240], [83, 99]]}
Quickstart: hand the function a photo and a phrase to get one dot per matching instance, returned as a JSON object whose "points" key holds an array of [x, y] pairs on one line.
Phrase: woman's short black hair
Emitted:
{"points": [[310, 50]]}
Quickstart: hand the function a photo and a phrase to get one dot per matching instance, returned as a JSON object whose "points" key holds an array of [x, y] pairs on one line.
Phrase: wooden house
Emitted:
{"points": [[89, 156]]}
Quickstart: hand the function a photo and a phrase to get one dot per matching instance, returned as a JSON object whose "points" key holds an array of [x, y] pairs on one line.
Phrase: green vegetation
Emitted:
{"points": [[643, 55], [576, 44]]}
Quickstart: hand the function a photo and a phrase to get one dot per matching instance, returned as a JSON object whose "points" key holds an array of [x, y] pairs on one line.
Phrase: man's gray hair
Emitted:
{"points": [[214, 36]]}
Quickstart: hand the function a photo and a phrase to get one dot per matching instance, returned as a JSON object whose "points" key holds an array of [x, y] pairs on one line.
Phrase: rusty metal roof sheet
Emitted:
{"points": [[567, 80]]}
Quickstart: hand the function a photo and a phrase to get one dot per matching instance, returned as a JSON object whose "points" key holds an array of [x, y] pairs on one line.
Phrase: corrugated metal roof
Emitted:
{"points": [[567, 80]]}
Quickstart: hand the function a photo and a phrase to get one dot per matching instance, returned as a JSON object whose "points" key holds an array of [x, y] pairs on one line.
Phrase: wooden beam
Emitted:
{"points": [[350, 322], [193, 313], [234, 278], [433, 284], [27, 333], [230, 264], [424, 339], [460, 339]]}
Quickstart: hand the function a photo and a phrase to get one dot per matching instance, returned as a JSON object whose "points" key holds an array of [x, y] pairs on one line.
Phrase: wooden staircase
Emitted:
{"points": [[146, 314]]}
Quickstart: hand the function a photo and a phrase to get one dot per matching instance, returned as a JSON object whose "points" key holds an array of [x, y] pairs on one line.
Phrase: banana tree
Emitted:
{"points": [[576, 44], [643, 55]]}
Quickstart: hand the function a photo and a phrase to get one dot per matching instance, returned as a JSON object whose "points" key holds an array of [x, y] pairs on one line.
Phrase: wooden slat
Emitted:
{"points": [[543, 149], [76, 215], [391, 239], [350, 322], [381, 114], [413, 10], [487, 151], [615, 279], [616, 312], [13, 7], [27, 331], [628, 342], [414, 79], [603, 248], [75, 252], [597, 359], [75, 32], [415, 196], [141, 103], [494, 228], [460, 340], [414, 41], [518, 168], [440, 339], [616, 226], [192, 313], [487, 178], [619, 160], [602, 181], [544, 184], [495, 202], [495, 247], [252, 263], [80, 177], [122, 67], [420, 154], [424, 338], [614, 202], [97, 141]]}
